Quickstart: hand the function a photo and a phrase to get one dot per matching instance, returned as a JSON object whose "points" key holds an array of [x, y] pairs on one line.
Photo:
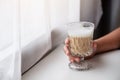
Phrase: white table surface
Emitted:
{"points": [[55, 67]]}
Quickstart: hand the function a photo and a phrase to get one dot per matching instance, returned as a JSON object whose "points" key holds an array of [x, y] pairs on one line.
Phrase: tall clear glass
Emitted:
{"points": [[81, 36]]}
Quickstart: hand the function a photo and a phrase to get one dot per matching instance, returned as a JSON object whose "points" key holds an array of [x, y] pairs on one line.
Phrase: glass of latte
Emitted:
{"points": [[80, 35]]}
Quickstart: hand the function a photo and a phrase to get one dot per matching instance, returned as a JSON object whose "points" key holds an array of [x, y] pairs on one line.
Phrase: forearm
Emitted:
{"points": [[109, 42]]}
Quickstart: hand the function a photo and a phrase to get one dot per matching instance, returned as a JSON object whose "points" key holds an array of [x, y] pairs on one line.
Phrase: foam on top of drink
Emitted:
{"points": [[80, 31]]}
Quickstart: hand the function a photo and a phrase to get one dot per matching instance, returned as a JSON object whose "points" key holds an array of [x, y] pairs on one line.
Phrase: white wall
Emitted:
{"points": [[91, 10]]}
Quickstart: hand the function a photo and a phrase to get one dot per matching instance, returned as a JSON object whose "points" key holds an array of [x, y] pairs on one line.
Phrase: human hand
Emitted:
{"points": [[77, 59]]}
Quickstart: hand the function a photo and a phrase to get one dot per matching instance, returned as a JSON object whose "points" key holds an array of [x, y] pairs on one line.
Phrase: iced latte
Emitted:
{"points": [[80, 40]]}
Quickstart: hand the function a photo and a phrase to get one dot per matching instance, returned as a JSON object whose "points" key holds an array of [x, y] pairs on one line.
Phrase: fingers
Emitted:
{"points": [[77, 59], [71, 58], [74, 59], [67, 41], [66, 47], [67, 52]]}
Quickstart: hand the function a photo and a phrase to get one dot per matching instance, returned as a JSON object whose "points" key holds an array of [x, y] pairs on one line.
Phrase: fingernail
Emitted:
{"points": [[67, 52], [77, 60], [66, 41], [71, 60]]}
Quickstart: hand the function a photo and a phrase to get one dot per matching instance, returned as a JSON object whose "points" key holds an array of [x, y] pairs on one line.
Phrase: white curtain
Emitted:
{"points": [[10, 54], [35, 31]]}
